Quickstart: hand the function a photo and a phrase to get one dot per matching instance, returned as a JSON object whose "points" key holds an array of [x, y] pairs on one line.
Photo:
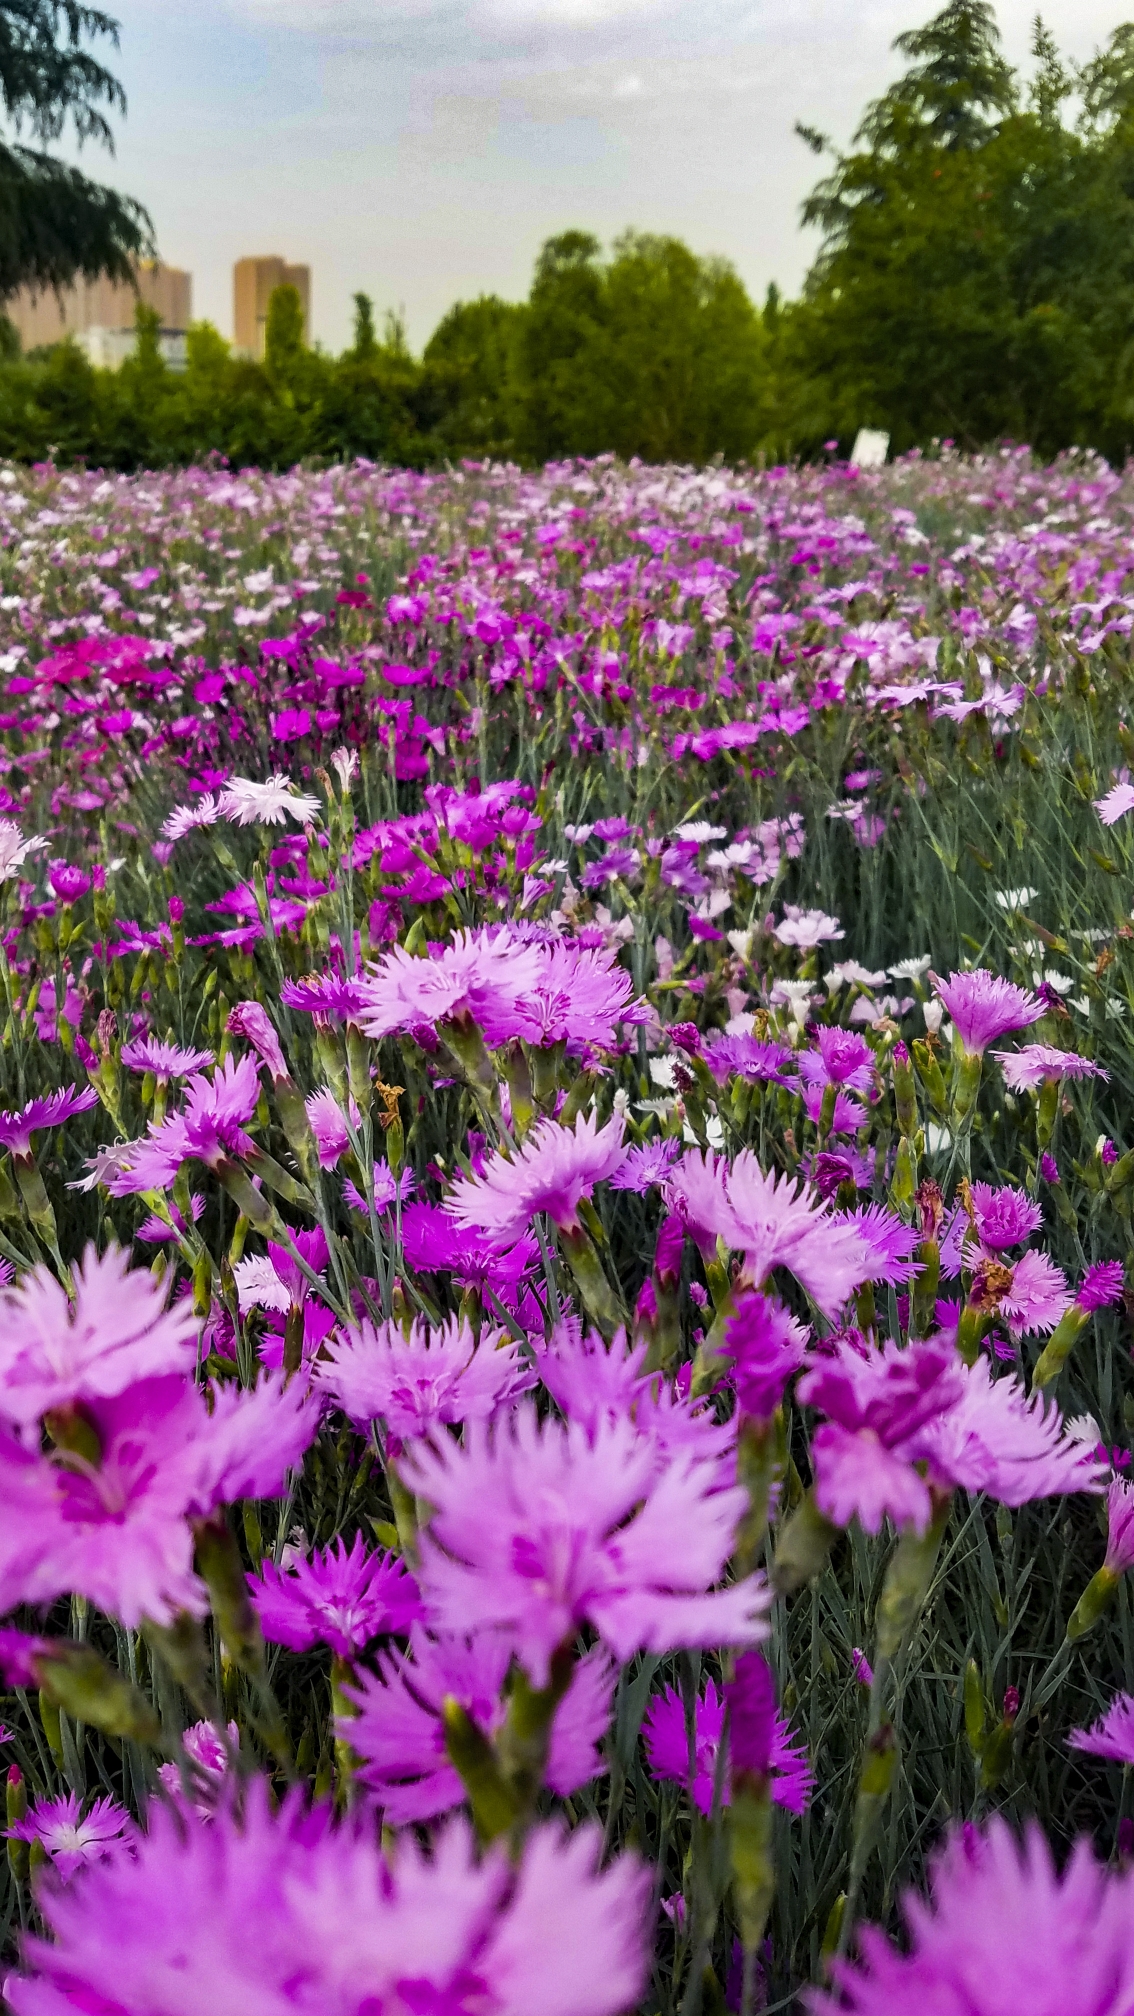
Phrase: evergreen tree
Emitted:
{"points": [[56, 223]]}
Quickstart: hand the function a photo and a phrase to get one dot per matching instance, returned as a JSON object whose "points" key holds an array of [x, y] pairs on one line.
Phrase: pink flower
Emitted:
{"points": [[479, 975], [208, 1129], [419, 1381], [767, 1345], [209, 1763], [328, 1125], [56, 1352], [592, 1382], [842, 1057], [400, 1735], [252, 1021], [280, 1906], [891, 1243], [1115, 804], [667, 1749], [1003, 1217], [432, 1243], [70, 1838], [163, 1061], [1102, 1286], [984, 1006], [1120, 1527], [1039, 1064], [552, 1171], [16, 1129], [644, 1167], [1112, 1735], [538, 1529], [116, 1529], [1037, 1296], [1004, 1934], [337, 1598], [777, 1223]]}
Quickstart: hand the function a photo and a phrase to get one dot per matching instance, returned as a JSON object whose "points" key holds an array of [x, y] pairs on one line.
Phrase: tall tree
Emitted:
{"points": [[56, 223]]}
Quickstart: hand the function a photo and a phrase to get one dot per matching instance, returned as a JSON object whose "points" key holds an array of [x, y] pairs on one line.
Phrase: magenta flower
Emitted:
{"points": [[552, 1171], [328, 1125], [984, 1006], [538, 1529], [209, 1765], [1039, 1064], [400, 1735], [67, 882], [892, 1243], [592, 1382], [1004, 1933], [422, 1380], [842, 1057], [16, 1129], [163, 1061], [579, 998], [296, 1907], [904, 1419], [70, 1838], [1102, 1286], [117, 1530], [667, 1750], [117, 1329], [251, 1020], [847, 1115], [642, 1168], [433, 1244], [767, 1345], [208, 1129], [1112, 1736], [1003, 1217], [337, 1598], [1120, 1527], [746, 1057]]}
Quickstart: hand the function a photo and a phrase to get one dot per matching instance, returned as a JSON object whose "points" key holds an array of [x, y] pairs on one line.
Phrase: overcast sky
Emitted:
{"points": [[422, 149]]}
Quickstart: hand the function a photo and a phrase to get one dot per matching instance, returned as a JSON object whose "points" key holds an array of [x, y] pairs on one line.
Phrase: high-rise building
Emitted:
{"points": [[100, 313], [253, 282]]}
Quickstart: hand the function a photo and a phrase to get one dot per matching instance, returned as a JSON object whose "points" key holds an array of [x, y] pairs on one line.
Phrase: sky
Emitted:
{"points": [[422, 150]]}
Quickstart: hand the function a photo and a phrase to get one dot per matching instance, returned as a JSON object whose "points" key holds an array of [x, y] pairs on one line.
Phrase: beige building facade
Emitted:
{"points": [[102, 305], [253, 283]]}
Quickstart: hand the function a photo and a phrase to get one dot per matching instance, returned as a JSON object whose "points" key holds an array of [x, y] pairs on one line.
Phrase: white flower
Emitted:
{"points": [[247, 802], [934, 1013], [699, 830], [1015, 899], [344, 763], [911, 969], [14, 849]]}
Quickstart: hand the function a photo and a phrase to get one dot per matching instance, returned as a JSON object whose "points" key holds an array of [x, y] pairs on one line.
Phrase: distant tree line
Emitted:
{"points": [[974, 281]]}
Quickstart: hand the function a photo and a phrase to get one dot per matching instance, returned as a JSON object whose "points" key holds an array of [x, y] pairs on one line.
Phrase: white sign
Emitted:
{"points": [[870, 449]]}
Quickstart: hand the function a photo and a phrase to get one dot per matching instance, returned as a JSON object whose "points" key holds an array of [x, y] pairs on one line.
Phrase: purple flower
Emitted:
{"points": [[1004, 1934], [667, 1748], [294, 1907], [208, 1129], [399, 1732], [767, 1345], [1101, 1286], [643, 1167], [209, 1763], [847, 1115], [252, 1021], [1112, 1735], [552, 1171], [163, 1060], [1039, 1064], [16, 1129], [1120, 1527], [1049, 1168], [891, 1242], [114, 1330], [419, 1381], [592, 1382], [66, 882], [746, 1057], [328, 1125], [540, 1528], [337, 1598], [842, 1058], [984, 1006], [1003, 1217], [70, 1838]]}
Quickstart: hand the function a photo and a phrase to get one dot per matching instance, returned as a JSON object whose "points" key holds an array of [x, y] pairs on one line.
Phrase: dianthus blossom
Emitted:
{"points": [[163, 1061], [1003, 1217], [841, 1057], [552, 1171], [206, 1767], [248, 802], [251, 1020], [70, 1838], [420, 1381], [14, 849], [773, 1222], [1040, 1064], [1003, 1934], [539, 1528], [56, 1350], [209, 1128], [984, 1005], [767, 1345], [591, 1382], [1112, 1736], [1120, 1526], [399, 1731], [16, 1129], [338, 1597], [667, 1751], [290, 1916]]}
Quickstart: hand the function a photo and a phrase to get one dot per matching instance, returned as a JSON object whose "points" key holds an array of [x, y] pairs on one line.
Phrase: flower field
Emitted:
{"points": [[565, 1221]]}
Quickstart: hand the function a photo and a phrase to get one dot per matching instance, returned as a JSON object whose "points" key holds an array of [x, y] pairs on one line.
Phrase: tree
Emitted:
{"points": [[365, 337], [54, 221], [471, 355], [283, 333]]}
